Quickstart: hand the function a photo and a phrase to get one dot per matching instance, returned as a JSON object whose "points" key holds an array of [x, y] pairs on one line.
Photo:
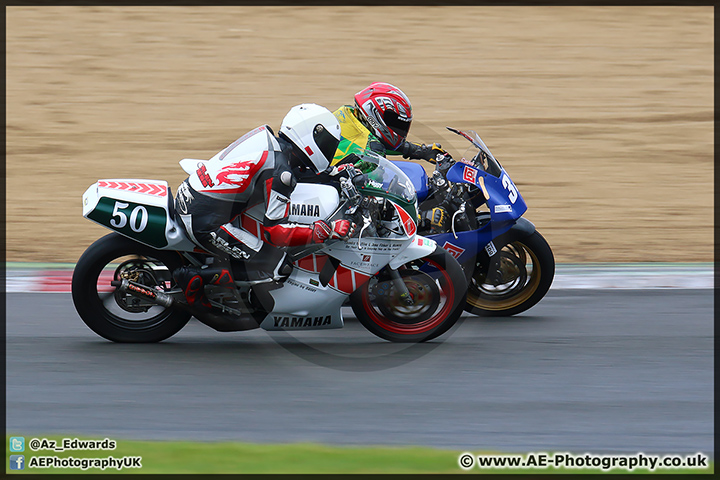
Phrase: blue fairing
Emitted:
{"points": [[504, 201], [418, 177], [505, 204], [469, 243]]}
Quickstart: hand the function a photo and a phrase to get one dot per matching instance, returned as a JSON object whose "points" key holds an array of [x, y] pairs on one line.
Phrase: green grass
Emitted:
{"points": [[230, 457]]}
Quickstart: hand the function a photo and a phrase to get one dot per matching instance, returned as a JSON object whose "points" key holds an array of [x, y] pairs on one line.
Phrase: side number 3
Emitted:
{"points": [[510, 187]]}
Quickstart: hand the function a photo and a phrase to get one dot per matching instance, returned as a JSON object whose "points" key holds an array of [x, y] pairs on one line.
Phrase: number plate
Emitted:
{"points": [[145, 223]]}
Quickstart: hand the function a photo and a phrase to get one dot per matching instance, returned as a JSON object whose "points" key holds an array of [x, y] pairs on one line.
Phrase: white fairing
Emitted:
{"points": [[304, 303], [419, 247], [301, 305]]}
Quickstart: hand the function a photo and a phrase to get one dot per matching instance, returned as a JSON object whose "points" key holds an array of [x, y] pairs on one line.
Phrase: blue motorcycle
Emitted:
{"points": [[474, 211]]}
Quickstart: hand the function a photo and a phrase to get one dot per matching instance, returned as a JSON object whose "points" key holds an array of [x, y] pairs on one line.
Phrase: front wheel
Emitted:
{"points": [[121, 317], [437, 287], [525, 273]]}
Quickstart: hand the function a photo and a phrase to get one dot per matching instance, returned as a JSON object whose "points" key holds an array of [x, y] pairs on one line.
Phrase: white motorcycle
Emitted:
{"points": [[401, 286]]}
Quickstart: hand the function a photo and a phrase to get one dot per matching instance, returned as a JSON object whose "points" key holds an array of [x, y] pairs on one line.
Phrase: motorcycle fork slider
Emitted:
{"points": [[494, 274], [401, 287]]}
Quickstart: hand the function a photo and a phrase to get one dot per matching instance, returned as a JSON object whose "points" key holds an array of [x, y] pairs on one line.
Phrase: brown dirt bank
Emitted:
{"points": [[603, 116]]}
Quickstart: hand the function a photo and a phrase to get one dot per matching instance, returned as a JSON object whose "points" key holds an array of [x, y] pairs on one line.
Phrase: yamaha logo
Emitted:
{"points": [[305, 210], [296, 322]]}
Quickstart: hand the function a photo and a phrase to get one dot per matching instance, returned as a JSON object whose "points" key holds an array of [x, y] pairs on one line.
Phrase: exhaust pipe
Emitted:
{"points": [[138, 290], [219, 321]]}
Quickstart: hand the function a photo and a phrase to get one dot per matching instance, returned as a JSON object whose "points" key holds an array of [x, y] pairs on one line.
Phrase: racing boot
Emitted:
{"points": [[192, 280], [270, 264]]}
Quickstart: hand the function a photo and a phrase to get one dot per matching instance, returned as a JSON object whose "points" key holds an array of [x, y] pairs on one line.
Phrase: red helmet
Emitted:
{"points": [[386, 110]]}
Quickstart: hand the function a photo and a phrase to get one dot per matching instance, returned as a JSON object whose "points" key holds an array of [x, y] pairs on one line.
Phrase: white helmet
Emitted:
{"points": [[315, 131]]}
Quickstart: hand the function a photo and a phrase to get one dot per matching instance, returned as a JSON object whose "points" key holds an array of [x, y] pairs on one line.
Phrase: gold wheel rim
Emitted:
{"points": [[475, 295]]}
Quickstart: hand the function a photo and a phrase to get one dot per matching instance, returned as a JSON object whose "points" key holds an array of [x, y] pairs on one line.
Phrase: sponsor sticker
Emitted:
{"points": [[454, 250], [503, 208], [469, 174], [490, 249]]}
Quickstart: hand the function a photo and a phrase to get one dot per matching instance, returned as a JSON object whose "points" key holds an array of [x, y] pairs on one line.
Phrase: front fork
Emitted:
{"points": [[401, 287], [520, 229]]}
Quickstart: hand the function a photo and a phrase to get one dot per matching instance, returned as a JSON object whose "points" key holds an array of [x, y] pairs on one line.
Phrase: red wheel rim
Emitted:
{"points": [[422, 327]]}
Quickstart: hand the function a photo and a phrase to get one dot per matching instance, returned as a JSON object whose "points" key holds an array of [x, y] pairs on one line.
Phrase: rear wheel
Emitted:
{"points": [[437, 287], [117, 316], [525, 273]]}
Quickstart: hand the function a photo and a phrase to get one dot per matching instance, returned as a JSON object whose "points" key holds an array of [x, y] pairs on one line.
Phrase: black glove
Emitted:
{"points": [[424, 152]]}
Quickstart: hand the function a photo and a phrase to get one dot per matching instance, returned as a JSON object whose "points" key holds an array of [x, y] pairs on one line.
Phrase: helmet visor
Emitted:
{"points": [[400, 126], [325, 141]]}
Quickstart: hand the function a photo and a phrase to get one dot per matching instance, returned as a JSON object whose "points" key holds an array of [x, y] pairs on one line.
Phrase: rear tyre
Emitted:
{"points": [[437, 286], [527, 269], [121, 317]]}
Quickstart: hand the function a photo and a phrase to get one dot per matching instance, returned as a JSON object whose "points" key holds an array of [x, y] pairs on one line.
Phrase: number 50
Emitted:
{"points": [[120, 219]]}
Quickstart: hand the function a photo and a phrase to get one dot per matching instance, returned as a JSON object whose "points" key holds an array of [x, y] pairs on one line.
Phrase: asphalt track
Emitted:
{"points": [[584, 371]]}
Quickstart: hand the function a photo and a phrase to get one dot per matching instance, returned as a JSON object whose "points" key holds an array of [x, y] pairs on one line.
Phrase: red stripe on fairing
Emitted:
{"points": [[344, 280], [312, 263], [360, 279], [307, 263], [320, 261]]}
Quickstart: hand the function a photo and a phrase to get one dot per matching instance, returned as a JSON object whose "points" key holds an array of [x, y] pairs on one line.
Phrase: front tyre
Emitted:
{"points": [[120, 317], [526, 271], [437, 286]]}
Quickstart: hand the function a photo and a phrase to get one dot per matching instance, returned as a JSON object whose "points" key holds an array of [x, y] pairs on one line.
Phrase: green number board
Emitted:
{"points": [[144, 223]]}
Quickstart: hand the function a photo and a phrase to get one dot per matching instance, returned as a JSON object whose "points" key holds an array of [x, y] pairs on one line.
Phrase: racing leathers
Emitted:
{"points": [[257, 169], [357, 137]]}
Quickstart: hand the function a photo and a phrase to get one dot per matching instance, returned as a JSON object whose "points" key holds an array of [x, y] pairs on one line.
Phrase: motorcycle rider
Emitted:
{"points": [[380, 121], [259, 167]]}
